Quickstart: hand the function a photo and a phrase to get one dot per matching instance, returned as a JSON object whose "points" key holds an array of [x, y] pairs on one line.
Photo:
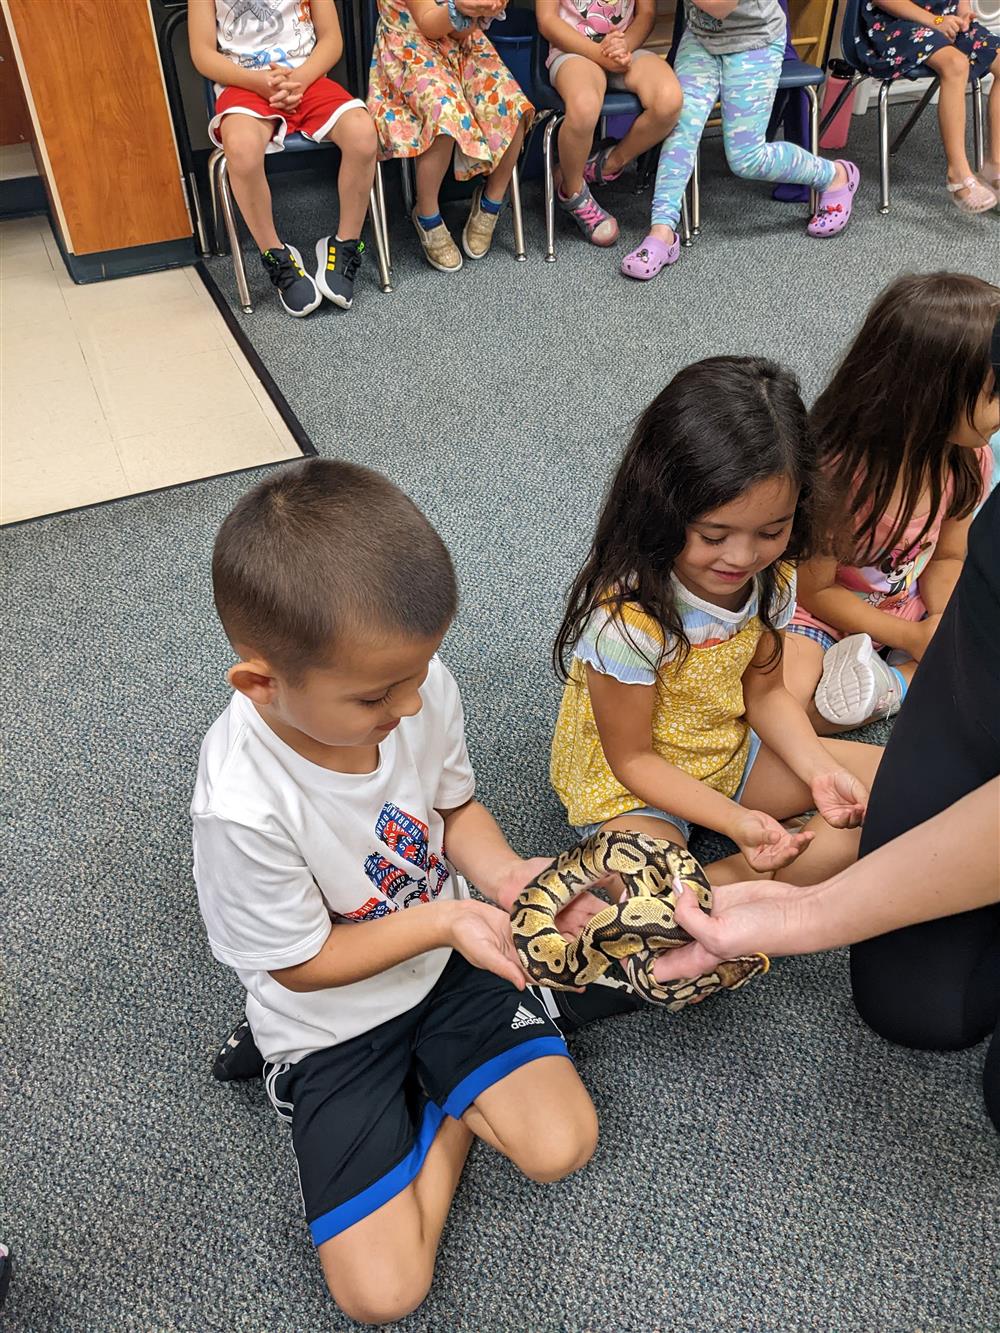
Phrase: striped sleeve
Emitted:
{"points": [[620, 648]]}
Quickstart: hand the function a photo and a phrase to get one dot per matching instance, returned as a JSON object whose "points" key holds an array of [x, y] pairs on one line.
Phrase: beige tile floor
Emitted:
{"points": [[117, 387]]}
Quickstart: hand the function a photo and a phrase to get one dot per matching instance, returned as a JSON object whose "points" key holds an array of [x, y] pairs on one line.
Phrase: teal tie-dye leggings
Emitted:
{"points": [[745, 83]]}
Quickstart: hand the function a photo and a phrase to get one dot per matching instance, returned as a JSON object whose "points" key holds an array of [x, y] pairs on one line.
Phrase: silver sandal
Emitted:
{"points": [[979, 199]]}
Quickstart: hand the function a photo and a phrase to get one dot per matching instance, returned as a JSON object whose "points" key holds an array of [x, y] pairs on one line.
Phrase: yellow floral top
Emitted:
{"points": [[698, 717]]}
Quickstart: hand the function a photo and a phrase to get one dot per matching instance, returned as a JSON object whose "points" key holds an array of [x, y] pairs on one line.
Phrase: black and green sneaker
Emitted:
{"points": [[295, 287], [337, 264]]}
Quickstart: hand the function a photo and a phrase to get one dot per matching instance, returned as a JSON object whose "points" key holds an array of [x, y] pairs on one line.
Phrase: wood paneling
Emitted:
{"points": [[15, 122], [94, 74]]}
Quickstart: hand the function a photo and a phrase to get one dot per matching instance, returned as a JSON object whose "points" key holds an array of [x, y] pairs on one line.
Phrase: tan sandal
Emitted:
{"points": [[978, 199]]}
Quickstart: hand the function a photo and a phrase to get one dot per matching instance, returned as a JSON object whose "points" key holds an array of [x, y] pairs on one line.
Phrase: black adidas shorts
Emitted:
{"points": [[365, 1112]]}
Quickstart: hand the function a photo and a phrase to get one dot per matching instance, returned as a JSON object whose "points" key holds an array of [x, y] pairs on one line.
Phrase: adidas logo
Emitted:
{"points": [[524, 1018]]}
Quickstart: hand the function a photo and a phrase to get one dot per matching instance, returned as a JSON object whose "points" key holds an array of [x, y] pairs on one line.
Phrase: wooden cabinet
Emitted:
{"points": [[94, 86]]}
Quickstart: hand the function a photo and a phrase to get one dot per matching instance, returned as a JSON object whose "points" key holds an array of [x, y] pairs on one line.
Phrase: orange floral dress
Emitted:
{"points": [[421, 88]]}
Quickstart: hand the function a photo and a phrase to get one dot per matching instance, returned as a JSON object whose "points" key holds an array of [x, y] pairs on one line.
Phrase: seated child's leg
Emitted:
{"points": [[430, 171], [354, 134], [581, 84], [656, 86], [771, 786], [491, 1056], [245, 139], [749, 82], [698, 74], [952, 69], [378, 1283]]}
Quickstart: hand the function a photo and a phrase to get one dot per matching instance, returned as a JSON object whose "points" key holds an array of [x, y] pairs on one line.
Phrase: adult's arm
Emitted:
{"points": [[949, 864]]}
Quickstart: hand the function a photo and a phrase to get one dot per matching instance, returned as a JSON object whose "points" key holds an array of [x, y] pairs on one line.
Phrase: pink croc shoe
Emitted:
{"points": [[835, 204], [647, 260]]}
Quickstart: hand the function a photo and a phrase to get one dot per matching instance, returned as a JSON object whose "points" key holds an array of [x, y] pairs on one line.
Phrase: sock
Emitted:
{"points": [[489, 205], [346, 240], [904, 684], [430, 223]]}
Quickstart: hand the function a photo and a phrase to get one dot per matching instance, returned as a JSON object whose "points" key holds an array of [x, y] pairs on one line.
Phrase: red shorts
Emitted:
{"points": [[322, 105]]}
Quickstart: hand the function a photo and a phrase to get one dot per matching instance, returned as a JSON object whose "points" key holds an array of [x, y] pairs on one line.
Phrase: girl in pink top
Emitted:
{"points": [[595, 45], [903, 433]]}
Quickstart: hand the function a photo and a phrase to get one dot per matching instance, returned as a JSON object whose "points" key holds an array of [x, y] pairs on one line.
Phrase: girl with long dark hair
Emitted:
{"points": [[674, 711], [902, 434]]}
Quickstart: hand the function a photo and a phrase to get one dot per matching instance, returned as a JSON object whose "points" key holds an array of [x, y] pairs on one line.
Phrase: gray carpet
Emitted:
{"points": [[766, 1162]]}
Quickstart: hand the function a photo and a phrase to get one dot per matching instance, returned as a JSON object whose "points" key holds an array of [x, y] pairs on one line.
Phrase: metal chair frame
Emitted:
{"points": [[887, 149], [552, 116]]}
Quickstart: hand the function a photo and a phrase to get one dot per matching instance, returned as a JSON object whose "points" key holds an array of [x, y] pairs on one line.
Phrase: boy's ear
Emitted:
{"points": [[255, 679]]}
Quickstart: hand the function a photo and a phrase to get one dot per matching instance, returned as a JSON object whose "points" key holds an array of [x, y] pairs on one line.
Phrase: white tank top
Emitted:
{"points": [[259, 33]]}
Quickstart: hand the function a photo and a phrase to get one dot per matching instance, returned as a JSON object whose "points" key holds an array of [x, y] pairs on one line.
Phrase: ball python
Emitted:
{"points": [[631, 932]]}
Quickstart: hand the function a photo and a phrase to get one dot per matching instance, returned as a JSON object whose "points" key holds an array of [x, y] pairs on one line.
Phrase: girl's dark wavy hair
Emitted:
{"points": [[719, 427], [917, 366]]}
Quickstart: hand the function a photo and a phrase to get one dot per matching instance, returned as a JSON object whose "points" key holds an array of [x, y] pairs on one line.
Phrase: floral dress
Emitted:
{"points": [[895, 48], [421, 88]]}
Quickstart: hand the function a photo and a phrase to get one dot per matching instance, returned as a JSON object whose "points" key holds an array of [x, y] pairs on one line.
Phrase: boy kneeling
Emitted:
{"points": [[389, 1006]]}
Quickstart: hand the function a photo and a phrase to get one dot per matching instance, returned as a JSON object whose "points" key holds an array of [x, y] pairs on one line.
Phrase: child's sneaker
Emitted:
{"points": [[599, 227], [299, 294], [440, 250], [856, 685], [337, 264], [595, 172], [477, 235], [239, 1057]]}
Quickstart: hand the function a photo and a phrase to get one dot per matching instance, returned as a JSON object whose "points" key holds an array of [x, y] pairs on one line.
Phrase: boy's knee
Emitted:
{"points": [[243, 147], [395, 1294], [556, 1152], [357, 137]]}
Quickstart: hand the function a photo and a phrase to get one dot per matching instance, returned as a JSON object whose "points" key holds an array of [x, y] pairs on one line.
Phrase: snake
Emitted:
{"points": [[631, 932]]}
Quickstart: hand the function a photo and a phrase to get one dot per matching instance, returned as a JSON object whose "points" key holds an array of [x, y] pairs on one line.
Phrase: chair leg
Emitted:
{"points": [[696, 194], [900, 138], [213, 190], [229, 213], [977, 126], [813, 143], [381, 248], [550, 189], [407, 183], [383, 215], [685, 220], [883, 145], [515, 208]]}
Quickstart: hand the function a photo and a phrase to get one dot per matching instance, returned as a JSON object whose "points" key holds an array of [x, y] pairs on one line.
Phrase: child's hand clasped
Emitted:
{"points": [[481, 934], [616, 56]]}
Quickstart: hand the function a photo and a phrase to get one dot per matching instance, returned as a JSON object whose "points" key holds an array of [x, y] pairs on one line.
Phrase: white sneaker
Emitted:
{"points": [[856, 685]]}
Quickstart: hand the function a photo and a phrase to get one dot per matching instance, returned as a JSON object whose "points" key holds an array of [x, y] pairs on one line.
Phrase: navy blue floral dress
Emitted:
{"points": [[894, 48]]}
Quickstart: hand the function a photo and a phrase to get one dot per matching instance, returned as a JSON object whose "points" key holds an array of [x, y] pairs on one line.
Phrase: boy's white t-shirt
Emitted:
{"points": [[283, 848], [256, 34]]}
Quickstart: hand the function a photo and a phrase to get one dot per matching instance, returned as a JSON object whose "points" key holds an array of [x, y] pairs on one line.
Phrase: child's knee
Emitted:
{"points": [[356, 135], [583, 109], [747, 160], [381, 1296], [666, 102], [243, 145], [951, 64], [555, 1151]]}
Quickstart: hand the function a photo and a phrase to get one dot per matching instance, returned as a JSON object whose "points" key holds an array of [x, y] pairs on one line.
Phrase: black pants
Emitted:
{"points": [[937, 985]]}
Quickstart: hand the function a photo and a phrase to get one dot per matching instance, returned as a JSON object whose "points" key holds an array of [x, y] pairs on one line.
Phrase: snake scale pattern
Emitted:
{"points": [[631, 932]]}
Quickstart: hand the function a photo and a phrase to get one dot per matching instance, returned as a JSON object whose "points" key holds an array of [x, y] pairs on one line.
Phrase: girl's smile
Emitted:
{"points": [[726, 547]]}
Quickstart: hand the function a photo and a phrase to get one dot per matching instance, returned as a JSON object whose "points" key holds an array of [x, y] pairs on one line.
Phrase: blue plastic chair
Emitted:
{"points": [[222, 202], [796, 75], [551, 113], [853, 42]]}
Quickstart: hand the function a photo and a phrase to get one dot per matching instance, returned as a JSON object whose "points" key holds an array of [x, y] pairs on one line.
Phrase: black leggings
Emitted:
{"points": [[937, 985]]}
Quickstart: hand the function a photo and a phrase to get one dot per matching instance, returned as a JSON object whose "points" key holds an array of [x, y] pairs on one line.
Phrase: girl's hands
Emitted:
{"points": [[615, 55], [764, 842], [840, 798], [480, 9], [951, 25]]}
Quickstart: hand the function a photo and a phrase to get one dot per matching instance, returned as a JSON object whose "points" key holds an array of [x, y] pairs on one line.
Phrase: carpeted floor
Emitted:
{"points": [[766, 1162]]}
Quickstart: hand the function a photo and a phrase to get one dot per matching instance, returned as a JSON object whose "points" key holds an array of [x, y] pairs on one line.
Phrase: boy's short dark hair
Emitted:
{"points": [[322, 549]]}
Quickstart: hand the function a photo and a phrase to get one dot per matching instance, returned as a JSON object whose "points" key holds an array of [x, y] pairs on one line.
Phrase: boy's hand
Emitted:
{"points": [[571, 920], [286, 89], [481, 934], [840, 798], [764, 842]]}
